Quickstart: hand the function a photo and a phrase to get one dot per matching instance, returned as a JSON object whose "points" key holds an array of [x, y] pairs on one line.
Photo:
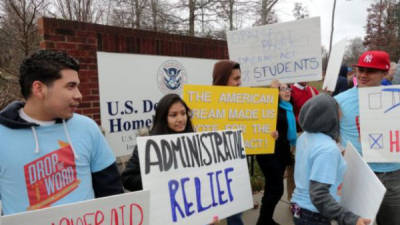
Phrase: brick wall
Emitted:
{"points": [[83, 40]]}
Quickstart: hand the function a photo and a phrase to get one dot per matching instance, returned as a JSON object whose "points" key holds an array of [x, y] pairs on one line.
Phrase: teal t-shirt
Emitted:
{"points": [[318, 158], [54, 175], [349, 127]]}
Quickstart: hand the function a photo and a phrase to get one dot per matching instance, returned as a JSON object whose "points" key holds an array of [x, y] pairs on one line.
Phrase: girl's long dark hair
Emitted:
{"points": [[160, 123]]}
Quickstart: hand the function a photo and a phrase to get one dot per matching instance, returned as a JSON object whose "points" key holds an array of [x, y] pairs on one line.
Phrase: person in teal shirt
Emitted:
{"points": [[371, 69]]}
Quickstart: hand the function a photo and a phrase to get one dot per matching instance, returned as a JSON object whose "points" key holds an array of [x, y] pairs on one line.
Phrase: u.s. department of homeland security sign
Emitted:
{"points": [[130, 85], [171, 77]]}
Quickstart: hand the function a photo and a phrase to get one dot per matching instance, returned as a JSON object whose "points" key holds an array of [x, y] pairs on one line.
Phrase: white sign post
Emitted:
{"points": [[334, 64], [194, 177], [362, 191], [131, 208], [289, 52], [130, 86], [380, 123]]}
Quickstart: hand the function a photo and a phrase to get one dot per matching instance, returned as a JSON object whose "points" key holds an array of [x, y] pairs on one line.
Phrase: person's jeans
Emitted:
{"points": [[306, 217], [235, 219], [389, 212]]}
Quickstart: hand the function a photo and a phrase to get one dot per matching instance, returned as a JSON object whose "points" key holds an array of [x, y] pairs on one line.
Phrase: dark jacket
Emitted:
{"points": [[105, 182], [131, 178], [341, 83], [282, 145]]}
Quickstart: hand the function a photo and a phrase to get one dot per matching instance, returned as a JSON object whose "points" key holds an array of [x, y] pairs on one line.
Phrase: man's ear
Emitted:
{"points": [[39, 89]]}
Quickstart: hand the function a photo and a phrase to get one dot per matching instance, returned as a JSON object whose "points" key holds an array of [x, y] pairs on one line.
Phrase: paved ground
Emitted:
{"points": [[282, 214]]}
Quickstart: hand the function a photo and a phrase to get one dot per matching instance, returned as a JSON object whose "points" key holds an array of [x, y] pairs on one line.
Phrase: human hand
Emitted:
{"points": [[363, 221], [275, 83], [275, 135], [215, 221]]}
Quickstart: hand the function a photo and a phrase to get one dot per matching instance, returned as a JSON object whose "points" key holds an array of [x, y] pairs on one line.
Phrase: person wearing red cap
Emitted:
{"points": [[371, 68]]}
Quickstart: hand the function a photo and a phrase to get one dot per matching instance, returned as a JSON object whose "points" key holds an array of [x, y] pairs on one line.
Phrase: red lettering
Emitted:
{"points": [[114, 217], [96, 218], [395, 142], [122, 214], [131, 213], [64, 219], [79, 221], [86, 215]]}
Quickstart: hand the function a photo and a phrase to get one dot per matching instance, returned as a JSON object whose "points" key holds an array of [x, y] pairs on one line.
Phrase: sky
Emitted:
{"points": [[350, 17]]}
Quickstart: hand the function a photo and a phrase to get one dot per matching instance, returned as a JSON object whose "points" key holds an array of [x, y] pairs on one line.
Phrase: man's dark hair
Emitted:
{"points": [[44, 66]]}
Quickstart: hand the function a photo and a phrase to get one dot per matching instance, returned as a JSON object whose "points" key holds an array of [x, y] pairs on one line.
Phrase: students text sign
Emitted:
{"points": [[289, 52], [380, 123], [253, 110], [195, 176], [131, 208]]}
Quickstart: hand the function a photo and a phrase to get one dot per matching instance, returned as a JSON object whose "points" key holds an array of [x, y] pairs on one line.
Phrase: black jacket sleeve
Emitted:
{"points": [[131, 178], [107, 182], [328, 206]]}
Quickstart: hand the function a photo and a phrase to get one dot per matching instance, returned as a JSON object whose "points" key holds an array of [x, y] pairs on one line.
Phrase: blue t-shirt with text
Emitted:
{"points": [[55, 175]]}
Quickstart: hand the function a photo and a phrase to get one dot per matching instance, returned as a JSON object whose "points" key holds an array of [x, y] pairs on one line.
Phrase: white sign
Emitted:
{"points": [[380, 123], [194, 177], [131, 208], [289, 52], [334, 64], [131, 85], [362, 191]]}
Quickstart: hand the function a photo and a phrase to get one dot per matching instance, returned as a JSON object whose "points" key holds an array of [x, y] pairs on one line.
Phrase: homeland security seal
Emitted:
{"points": [[171, 76]]}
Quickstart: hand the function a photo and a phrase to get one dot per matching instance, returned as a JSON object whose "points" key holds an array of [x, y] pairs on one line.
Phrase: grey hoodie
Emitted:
{"points": [[320, 115]]}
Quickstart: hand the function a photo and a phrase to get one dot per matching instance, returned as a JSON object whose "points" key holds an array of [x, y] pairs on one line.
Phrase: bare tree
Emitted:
{"points": [[265, 11], [300, 11], [19, 29], [129, 13], [354, 49], [81, 10]]}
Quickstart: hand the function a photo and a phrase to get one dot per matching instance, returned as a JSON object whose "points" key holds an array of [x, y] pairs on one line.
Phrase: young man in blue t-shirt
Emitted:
{"points": [[371, 68], [48, 154]]}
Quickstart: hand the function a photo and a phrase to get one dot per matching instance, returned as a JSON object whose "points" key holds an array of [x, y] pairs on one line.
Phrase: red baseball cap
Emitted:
{"points": [[375, 60]]}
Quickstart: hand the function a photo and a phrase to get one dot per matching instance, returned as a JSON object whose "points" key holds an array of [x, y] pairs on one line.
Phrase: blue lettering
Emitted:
{"points": [[228, 182], [210, 174], [197, 184], [113, 125], [173, 186], [110, 108], [220, 192], [187, 204]]}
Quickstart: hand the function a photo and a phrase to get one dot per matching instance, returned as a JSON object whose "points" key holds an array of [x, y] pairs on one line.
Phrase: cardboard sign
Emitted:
{"points": [[380, 123], [289, 52], [334, 64], [130, 86], [253, 110], [131, 208], [195, 176], [362, 191]]}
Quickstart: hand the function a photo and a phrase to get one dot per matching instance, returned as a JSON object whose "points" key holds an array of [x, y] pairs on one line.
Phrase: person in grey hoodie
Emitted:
{"points": [[320, 167]]}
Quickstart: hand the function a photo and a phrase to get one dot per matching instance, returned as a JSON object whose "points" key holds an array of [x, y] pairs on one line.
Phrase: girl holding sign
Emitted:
{"points": [[172, 116], [273, 165], [320, 167]]}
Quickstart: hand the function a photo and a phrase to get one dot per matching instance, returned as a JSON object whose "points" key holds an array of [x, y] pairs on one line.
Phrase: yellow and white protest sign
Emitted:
{"points": [[252, 110]]}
